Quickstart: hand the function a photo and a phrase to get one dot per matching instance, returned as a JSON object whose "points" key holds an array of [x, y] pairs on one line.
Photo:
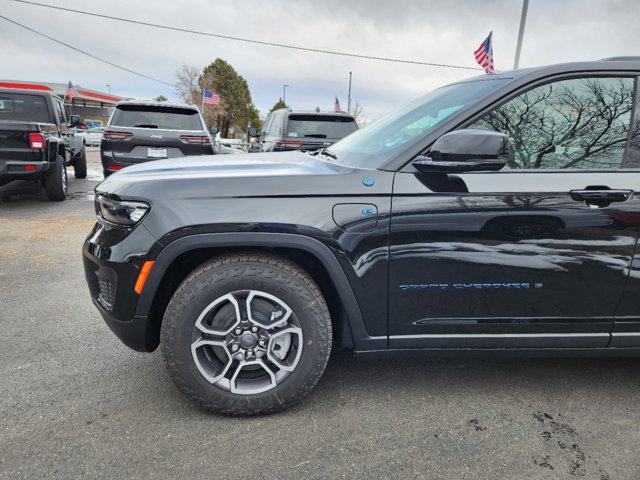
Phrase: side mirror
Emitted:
{"points": [[75, 120], [253, 132], [469, 150], [213, 131]]}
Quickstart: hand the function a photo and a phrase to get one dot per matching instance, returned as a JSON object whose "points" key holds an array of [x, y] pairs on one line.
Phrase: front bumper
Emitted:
{"points": [[111, 275]]}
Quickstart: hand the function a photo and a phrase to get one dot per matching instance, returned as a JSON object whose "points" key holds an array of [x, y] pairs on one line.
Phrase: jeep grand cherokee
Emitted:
{"points": [[497, 214]]}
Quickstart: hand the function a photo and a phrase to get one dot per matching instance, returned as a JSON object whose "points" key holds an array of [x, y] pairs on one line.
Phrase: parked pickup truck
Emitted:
{"points": [[37, 143]]}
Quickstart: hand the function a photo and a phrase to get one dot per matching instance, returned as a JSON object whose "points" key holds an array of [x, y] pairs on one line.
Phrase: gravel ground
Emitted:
{"points": [[76, 403]]}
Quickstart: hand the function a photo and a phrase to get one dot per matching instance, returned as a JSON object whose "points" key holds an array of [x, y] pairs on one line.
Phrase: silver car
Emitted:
{"points": [[92, 136]]}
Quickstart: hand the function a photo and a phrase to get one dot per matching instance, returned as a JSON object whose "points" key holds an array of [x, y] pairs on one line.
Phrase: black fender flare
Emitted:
{"points": [[54, 145], [362, 340]]}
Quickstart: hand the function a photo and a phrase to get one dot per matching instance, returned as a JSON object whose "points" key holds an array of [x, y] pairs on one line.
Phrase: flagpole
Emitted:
{"points": [[202, 104], [65, 93], [523, 19]]}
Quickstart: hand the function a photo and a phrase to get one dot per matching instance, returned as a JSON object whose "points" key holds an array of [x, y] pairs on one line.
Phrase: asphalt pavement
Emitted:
{"points": [[76, 403]]}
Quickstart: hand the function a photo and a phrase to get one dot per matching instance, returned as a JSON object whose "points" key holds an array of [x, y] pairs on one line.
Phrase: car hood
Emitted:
{"points": [[246, 175]]}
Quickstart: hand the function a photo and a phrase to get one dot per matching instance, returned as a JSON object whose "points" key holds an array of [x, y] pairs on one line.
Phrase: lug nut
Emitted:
{"points": [[235, 347], [254, 329], [249, 353], [237, 331], [262, 342]]}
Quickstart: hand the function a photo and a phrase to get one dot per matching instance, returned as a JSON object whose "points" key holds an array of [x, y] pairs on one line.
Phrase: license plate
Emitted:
{"points": [[157, 152]]}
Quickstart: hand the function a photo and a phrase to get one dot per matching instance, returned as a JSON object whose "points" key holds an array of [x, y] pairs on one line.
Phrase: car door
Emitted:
{"points": [[535, 255]]}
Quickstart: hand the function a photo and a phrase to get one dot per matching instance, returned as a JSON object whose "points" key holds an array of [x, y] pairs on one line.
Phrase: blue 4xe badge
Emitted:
{"points": [[368, 181]]}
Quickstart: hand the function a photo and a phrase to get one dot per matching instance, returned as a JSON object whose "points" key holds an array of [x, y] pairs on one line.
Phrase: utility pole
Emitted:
{"points": [[349, 97], [284, 93], [523, 19]]}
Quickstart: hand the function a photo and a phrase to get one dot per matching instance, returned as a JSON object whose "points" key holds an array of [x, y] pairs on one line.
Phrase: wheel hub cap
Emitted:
{"points": [[248, 340]]}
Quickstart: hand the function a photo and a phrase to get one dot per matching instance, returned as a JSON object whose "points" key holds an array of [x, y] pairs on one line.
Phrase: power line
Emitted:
{"points": [[246, 40], [85, 53]]}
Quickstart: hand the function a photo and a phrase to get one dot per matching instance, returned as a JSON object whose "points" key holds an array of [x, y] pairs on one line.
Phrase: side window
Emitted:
{"points": [[274, 128], [60, 113], [267, 125], [580, 123]]}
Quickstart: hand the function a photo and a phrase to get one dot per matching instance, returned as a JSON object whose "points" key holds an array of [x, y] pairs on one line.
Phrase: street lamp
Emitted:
{"points": [[284, 93]]}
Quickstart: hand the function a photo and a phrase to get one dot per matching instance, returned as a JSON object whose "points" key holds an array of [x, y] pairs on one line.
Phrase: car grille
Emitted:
{"points": [[106, 293]]}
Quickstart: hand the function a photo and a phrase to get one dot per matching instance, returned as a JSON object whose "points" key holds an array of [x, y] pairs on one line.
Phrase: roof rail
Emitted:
{"points": [[621, 59]]}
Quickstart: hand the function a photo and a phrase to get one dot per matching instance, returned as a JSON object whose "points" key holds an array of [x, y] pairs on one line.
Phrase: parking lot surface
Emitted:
{"points": [[76, 403]]}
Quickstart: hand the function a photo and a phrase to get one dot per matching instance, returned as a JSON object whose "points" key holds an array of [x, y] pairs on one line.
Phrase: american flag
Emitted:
{"points": [[338, 109], [210, 98], [71, 91], [484, 54]]}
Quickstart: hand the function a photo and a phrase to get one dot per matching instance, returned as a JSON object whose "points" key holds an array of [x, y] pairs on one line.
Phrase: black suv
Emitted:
{"points": [[37, 142], [497, 214], [287, 130], [141, 131]]}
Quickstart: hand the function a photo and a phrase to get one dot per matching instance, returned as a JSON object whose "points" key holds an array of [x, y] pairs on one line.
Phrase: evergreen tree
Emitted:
{"points": [[278, 105], [236, 110]]}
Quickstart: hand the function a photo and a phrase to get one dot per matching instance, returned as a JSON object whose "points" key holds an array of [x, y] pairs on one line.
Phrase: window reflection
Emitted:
{"points": [[579, 123]]}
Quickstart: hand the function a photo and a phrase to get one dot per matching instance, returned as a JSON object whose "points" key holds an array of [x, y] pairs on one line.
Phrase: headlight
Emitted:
{"points": [[123, 213]]}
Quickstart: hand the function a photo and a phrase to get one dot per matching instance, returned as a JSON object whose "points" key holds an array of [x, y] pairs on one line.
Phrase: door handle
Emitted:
{"points": [[601, 194]]}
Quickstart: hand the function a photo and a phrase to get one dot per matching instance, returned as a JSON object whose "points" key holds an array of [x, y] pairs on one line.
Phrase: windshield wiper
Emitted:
{"points": [[326, 152], [316, 135], [146, 125]]}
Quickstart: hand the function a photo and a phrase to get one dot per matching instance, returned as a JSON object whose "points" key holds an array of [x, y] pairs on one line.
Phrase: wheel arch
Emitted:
{"points": [[183, 255]]}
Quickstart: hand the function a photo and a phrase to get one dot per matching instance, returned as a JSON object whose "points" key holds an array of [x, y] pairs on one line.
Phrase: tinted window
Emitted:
{"points": [[578, 123], [62, 119], [274, 126], [267, 124], [24, 108], [632, 159], [148, 116], [315, 126]]}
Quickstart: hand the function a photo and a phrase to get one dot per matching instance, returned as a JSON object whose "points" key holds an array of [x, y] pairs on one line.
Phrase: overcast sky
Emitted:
{"points": [[427, 31]]}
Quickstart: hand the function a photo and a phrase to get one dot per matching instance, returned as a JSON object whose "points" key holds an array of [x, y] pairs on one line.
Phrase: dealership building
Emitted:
{"points": [[93, 107]]}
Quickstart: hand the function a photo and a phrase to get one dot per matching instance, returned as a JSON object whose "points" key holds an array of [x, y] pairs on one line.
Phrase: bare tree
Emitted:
{"points": [[187, 87], [358, 113], [576, 123]]}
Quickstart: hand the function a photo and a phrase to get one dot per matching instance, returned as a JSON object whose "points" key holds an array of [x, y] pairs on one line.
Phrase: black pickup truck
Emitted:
{"points": [[36, 141]]}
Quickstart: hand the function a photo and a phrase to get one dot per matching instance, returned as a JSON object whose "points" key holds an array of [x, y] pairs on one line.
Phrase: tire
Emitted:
{"points": [[80, 165], [279, 315], [55, 180]]}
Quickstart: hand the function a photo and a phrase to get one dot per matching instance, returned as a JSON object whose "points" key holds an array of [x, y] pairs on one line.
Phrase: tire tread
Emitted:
{"points": [[246, 265]]}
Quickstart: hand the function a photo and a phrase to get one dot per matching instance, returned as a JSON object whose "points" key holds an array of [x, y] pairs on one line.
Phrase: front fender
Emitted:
{"points": [[362, 340]]}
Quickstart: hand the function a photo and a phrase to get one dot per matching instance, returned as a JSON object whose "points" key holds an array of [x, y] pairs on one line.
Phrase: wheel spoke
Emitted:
{"points": [[291, 355], [279, 316], [247, 386], [200, 324], [212, 371]]}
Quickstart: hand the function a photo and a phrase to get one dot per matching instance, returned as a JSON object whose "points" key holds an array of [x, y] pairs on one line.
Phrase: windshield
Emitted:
{"points": [[374, 145]]}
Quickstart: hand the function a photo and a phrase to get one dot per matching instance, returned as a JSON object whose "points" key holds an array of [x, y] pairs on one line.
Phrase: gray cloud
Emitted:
{"points": [[431, 31]]}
